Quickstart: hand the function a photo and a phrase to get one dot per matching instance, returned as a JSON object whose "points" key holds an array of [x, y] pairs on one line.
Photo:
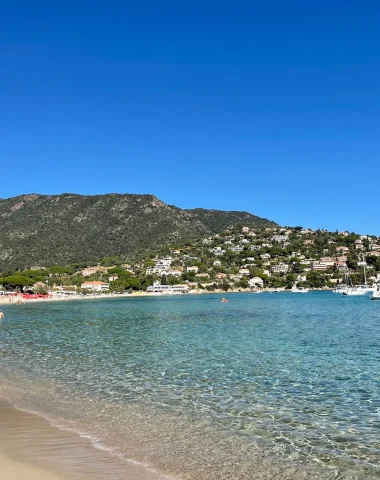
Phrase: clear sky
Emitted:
{"points": [[267, 106]]}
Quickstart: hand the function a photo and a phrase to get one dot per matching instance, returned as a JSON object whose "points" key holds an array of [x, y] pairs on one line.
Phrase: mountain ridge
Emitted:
{"points": [[38, 229]]}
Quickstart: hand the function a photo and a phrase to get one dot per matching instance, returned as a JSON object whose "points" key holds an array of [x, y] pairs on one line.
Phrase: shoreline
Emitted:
{"points": [[5, 301], [33, 448]]}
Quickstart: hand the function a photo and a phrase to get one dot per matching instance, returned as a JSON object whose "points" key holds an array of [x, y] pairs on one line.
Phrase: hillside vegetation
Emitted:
{"points": [[42, 230]]}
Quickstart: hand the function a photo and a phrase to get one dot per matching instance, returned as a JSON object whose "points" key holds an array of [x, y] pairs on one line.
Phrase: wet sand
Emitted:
{"points": [[31, 448], [10, 469]]}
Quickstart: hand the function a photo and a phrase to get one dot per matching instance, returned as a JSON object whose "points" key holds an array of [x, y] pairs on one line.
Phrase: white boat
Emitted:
{"points": [[376, 294], [366, 288], [354, 291]]}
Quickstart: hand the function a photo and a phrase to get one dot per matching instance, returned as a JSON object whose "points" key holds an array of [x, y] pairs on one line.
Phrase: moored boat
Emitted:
{"points": [[354, 291]]}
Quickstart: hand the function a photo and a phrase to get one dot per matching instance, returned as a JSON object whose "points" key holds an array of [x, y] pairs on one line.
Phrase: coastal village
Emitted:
{"points": [[240, 259]]}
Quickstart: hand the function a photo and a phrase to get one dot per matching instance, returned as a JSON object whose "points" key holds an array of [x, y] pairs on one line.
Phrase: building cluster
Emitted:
{"points": [[241, 258]]}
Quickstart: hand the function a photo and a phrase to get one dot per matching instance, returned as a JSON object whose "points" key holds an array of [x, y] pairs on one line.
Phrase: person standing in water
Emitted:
{"points": [[1, 315]]}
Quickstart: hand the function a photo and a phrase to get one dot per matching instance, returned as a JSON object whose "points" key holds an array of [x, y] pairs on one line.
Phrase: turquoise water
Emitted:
{"points": [[267, 385]]}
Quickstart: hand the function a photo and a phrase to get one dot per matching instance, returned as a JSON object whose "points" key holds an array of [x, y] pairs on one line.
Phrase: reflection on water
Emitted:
{"points": [[203, 389]]}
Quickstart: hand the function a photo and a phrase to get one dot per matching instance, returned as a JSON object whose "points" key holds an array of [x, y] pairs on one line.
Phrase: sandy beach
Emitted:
{"points": [[31, 448], [11, 469]]}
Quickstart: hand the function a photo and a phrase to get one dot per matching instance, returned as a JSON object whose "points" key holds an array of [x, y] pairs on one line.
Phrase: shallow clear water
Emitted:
{"points": [[198, 388]]}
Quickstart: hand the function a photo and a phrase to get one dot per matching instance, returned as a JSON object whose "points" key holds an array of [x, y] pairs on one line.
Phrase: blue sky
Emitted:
{"points": [[271, 107]]}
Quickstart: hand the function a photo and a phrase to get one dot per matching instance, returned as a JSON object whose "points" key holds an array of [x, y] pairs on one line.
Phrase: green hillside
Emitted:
{"points": [[40, 230]]}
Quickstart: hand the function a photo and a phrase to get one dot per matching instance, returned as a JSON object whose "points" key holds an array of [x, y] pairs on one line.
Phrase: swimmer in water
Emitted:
{"points": [[1, 315], [224, 300]]}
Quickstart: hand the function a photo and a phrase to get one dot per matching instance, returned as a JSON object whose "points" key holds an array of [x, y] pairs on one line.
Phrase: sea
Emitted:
{"points": [[267, 386]]}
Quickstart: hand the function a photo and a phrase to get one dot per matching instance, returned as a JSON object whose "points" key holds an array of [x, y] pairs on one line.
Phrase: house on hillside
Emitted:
{"points": [[173, 273], [192, 269], [280, 268], [359, 244], [244, 271], [256, 282], [88, 271]]}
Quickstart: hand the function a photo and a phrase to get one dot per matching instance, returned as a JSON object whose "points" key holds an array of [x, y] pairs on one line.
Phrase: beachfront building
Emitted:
{"points": [[95, 286], [167, 289], [256, 282]]}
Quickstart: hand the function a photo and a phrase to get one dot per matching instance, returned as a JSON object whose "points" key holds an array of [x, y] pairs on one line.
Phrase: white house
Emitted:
{"points": [[280, 268], [173, 273], [237, 249], [256, 282], [244, 271], [192, 269], [96, 286]]}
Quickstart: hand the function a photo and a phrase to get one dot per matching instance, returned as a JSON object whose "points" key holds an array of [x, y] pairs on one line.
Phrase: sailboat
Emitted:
{"points": [[357, 290], [365, 286]]}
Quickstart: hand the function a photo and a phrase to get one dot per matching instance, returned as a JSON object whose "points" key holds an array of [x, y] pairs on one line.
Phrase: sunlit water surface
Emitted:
{"points": [[266, 386]]}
